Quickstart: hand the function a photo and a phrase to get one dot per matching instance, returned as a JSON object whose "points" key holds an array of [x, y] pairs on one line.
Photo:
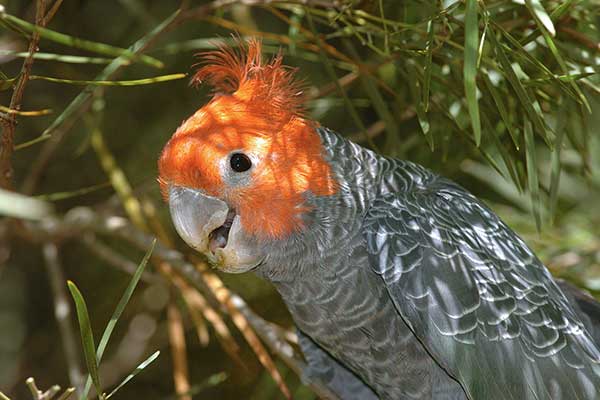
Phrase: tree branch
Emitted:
{"points": [[82, 220], [10, 121]]}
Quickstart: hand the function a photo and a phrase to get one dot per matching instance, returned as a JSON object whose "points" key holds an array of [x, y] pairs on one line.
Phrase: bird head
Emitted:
{"points": [[238, 172]]}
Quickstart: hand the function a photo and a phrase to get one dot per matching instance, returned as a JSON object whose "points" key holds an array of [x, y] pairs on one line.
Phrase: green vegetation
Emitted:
{"points": [[502, 96]]}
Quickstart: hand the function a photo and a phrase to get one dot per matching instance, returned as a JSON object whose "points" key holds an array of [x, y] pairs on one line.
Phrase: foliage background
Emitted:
{"points": [[401, 77]]}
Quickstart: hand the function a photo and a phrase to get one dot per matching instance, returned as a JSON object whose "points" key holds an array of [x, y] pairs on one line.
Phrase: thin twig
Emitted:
{"points": [[115, 259], [10, 122], [51, 12], [62, 312], [67, 393], [196, 301], [80, 220], [178, 352], [56, 135], [37, 394]]}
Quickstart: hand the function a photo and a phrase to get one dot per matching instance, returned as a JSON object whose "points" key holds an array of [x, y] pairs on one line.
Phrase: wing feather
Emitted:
{"points": [[477, 297]]}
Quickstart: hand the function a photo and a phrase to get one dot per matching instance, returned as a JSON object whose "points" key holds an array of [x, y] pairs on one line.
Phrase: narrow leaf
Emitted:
{"points": [[521, 52], [83, 44], [332, 75], [540, 14], [508, 165], [556, 164], [502, 110], [562, 8], [563, 78], [524, 98], [6, 83], [425, 126], [377, 102], [139, 369], [428, 65], [548, 37], [470, 66], [118, 311], [415, 91], [73, 193], [87, 337], [73, 110], [532, 175], [211, 381], [65, 58], [133, 82], [36, 113]]}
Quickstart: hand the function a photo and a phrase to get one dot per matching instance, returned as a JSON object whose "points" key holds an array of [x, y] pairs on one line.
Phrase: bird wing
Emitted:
{"points": [[476, 296]]}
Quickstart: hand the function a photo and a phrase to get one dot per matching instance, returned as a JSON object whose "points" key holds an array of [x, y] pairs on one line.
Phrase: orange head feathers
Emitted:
{"points": [[256, 111]]}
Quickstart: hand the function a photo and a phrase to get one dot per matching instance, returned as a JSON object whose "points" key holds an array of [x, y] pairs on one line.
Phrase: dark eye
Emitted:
{"points": [[240, 162]]}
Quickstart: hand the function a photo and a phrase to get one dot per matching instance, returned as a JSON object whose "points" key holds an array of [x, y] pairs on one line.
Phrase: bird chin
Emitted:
{"points": [[238, 255], [211, 227]]}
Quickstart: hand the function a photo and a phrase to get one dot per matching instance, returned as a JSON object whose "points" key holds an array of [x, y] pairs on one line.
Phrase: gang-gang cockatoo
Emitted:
{"points": [[401, 283]]}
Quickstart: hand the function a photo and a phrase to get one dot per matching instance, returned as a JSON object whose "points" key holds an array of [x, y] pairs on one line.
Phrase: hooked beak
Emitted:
{"points": [[212, 228]]}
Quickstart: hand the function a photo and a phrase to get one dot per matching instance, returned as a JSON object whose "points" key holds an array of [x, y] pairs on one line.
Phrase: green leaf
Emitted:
{"points": [[563, 78], [207, 383], [508, 162], [471, 55], [415, 91], [428, 65], [294, 32], [87, 337], [117, 313], [73, 110], [6, 83], [548, 37], [133, 82], [540, 14], [556, 163], [521, 52], [377, 101], [562, 8], [425, 126], [502, 110], [526, 101], [332, 75], [532, 175], [556, 15], [139, 369], [66, 58], [73, 193], [83, 44]]}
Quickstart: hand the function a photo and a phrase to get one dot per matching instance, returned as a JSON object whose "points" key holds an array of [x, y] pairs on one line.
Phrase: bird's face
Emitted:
{"points": [[236, 173]]}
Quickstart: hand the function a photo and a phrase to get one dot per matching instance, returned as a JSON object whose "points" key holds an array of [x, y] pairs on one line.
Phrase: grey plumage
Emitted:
{"points": [[421, 292]]}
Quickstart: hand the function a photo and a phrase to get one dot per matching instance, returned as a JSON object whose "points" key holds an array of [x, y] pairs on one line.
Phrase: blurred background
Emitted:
{"points": [[501, 96]]}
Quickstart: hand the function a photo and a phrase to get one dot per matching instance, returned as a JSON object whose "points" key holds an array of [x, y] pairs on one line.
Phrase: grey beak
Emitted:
{"points": [[195, 215]]}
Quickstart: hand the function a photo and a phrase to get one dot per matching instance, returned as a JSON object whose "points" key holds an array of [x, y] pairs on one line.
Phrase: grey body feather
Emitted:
{"points": [[408, 287]]}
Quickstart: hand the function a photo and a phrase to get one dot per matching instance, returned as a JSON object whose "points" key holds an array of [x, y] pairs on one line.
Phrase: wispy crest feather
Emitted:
{"points": [[241, 70]]}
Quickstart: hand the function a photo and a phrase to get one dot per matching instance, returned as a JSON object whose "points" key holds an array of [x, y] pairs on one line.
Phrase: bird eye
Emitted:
{"points": [[240, 162]]}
